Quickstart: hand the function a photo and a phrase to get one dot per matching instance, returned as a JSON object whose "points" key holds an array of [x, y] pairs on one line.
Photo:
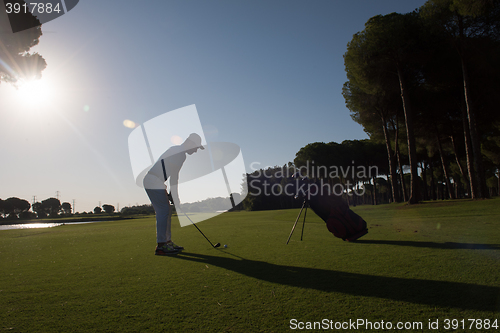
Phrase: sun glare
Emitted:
{"points": [[34, 93]]}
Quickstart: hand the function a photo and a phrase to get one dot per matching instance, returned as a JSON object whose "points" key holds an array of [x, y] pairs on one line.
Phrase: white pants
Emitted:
{"points": [[157, 193], [163, 211]]}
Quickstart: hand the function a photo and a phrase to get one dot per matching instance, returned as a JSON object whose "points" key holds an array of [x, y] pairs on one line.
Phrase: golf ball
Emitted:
{"points": [[225, 245]]}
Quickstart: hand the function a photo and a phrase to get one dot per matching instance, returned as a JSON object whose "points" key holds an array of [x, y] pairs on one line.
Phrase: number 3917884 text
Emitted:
{"points": [[33, 8]]}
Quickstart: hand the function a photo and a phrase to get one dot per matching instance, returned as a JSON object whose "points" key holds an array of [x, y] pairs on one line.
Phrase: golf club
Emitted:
{"points": [[213, 245], [169, 197]]}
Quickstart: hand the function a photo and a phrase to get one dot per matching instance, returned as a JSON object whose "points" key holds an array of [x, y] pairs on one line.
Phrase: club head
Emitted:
{"points": [[217, 245]]}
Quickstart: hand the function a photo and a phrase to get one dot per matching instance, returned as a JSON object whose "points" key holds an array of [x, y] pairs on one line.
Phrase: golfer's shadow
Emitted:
{"points": [[429, 292], [433, 245]]}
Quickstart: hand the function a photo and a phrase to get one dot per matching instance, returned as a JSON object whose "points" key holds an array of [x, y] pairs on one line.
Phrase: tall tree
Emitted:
{"points": [[39, 210], [14, 207], [491, 149], [109, 209], [388, 46], [374, 112], [66, 207], [464, 22], [51, 206], [5, 208]]}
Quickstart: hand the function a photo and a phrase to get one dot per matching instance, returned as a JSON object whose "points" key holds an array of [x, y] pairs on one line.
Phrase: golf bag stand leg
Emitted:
{"points": [[303, 223], [304, 204]]}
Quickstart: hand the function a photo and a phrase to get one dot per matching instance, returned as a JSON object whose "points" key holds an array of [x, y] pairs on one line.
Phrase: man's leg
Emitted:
{"points": [[161, 206], [169, 234]]}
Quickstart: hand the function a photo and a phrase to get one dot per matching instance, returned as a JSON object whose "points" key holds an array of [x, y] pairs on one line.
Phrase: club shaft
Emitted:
{"points": [[165, 175], [303, 223], [295, 224], [199, 229]]}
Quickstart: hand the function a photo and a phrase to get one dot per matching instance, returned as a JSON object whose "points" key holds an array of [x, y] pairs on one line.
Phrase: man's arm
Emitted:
{"points": [[173, 165], [174, 192]]}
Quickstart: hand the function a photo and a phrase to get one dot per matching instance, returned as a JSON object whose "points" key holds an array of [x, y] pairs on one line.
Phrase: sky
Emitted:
{"points": [[265, 75]]}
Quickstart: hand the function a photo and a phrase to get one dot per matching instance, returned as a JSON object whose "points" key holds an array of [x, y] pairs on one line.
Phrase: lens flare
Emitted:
{"points": [[129, 123], [176, 140]]}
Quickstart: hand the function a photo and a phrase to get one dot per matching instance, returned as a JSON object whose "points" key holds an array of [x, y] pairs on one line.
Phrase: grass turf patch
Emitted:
{"points": [[430, 261]]}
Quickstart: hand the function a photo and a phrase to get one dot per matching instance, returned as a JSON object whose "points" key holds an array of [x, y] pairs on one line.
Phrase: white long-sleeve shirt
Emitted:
{"points": [[173, 159]]}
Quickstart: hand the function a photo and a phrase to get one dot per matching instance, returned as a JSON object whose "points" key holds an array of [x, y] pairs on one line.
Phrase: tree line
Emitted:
{"points": [[357, 166], [15, 208], [425, 84], [360, 166]]}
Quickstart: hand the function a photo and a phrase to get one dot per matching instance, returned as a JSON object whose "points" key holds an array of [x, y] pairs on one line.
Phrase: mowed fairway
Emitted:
{"points": [[438, 260]]}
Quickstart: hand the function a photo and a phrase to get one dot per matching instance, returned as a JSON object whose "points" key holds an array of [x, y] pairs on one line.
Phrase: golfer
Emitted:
{"points": [[168, 166]]}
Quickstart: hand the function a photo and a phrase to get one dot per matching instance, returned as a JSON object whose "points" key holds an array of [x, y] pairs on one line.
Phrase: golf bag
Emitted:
{"points": [[344, 223], [341, 221]]}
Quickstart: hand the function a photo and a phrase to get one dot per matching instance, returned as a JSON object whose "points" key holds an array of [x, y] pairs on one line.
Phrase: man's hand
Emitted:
{"points": [[170, 198]]}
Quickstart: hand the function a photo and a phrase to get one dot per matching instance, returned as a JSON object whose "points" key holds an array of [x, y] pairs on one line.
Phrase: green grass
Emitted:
{"points": [[418, 263]]}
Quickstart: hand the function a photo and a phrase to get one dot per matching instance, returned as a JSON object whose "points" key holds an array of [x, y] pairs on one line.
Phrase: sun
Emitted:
{"points": [[34, 93]]}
